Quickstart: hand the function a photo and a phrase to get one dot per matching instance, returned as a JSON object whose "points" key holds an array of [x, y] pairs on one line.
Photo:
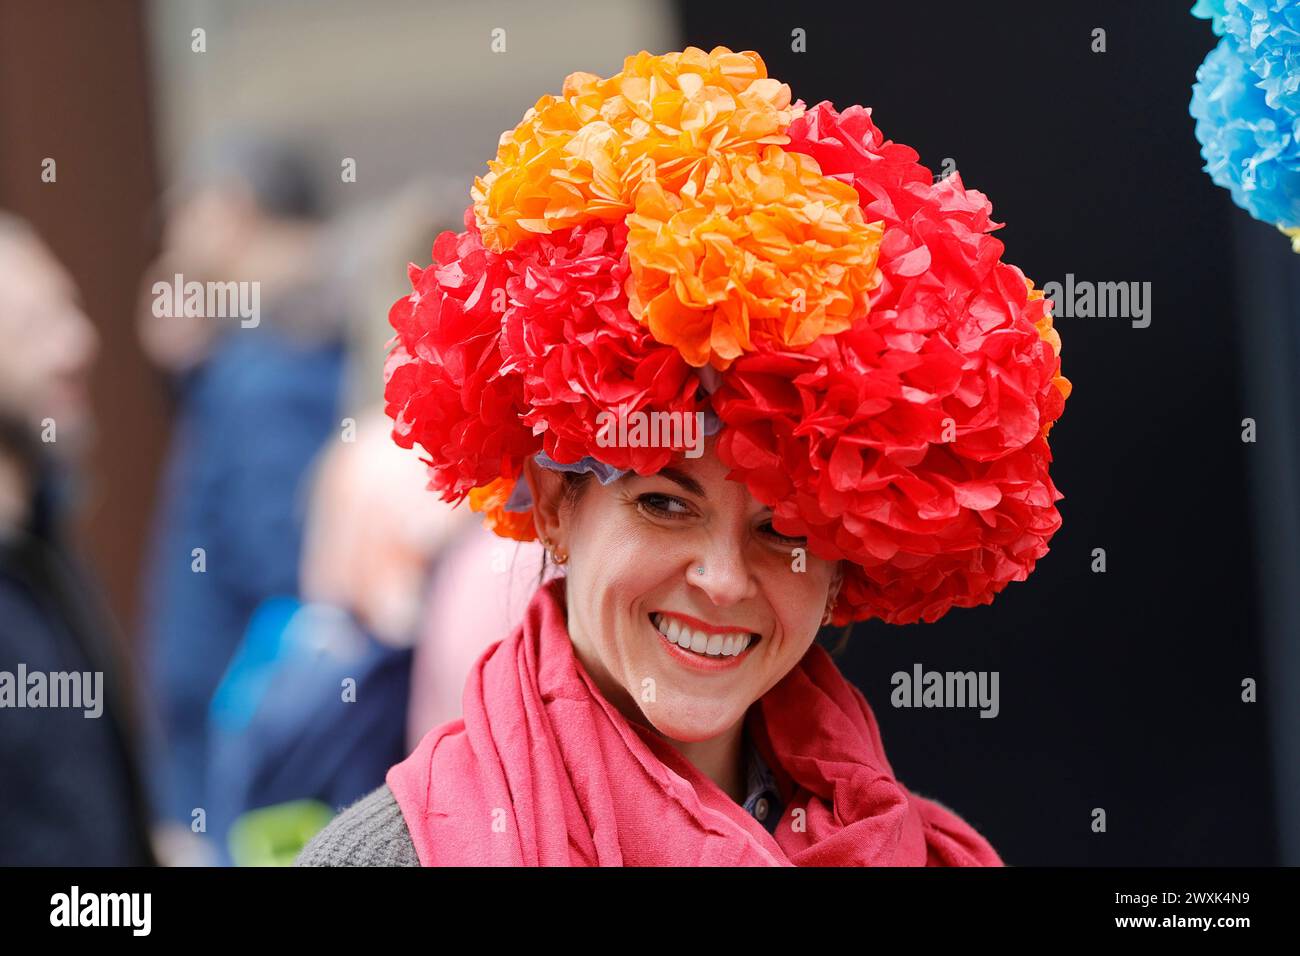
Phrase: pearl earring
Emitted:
{"points": [[559, 557]]}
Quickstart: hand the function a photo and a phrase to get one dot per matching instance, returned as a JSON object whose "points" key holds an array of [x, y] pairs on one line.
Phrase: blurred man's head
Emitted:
{"points": [[246, 208], [231, 190], [47, 345]]}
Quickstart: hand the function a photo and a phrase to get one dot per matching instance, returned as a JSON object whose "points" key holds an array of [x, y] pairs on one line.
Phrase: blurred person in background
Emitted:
{"points": [[255, 401], [70, 791], [403, 559], [478, 594], [290, 748], [312, 711]]}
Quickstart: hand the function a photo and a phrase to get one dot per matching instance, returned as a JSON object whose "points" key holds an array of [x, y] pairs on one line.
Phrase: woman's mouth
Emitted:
{"points": [[722, 647]]}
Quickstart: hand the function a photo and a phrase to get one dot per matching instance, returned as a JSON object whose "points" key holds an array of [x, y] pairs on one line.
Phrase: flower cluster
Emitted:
{"points": [[1246, 102], [446, 387], [769, 249], [581, 155], [913, 444], [681, 237], [725, 225], [578, 351]]}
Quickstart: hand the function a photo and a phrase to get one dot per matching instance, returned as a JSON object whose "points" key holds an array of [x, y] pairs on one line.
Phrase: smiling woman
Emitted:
{"points": [[876, 389], [661, 568]]}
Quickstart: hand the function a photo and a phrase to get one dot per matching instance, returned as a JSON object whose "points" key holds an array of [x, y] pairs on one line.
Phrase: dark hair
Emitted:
{"points": [[574, 485], [278, 172]]}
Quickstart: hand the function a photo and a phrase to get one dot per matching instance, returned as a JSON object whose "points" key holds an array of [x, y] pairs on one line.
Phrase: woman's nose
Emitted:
{"points": [[721, 570]]}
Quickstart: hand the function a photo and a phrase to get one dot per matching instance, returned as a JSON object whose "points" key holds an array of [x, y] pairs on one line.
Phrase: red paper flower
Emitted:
{"points": [[445, 385], [571, 338], [913, 444], [501, 355]]}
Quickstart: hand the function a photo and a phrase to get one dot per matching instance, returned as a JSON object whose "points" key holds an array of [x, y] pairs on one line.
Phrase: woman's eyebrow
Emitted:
{"points": [[681, 478]]}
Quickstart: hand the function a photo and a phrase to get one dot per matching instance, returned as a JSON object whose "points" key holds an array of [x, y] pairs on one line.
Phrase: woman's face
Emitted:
{"points": [[634, 549]]}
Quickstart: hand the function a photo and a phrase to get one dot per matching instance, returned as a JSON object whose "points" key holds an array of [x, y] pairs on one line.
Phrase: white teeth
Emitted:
{"points": [[710, 645]]}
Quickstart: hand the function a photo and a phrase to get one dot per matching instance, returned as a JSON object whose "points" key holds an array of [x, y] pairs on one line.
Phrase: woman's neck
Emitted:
{"points": [[719, 758]]}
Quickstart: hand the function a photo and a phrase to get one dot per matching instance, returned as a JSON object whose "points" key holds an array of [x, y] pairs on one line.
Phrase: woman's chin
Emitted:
{"points": [[686, 729]]}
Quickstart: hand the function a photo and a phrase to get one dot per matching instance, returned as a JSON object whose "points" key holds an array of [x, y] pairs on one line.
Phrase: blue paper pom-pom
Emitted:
{"points": [[1246, 102]]}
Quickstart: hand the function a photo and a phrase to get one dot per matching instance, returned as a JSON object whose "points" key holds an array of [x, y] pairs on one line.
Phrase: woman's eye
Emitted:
{"points": [[666, 506], [661, 505]]}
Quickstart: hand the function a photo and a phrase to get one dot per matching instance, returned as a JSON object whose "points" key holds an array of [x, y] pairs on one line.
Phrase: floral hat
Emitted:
{"points": [[682, 238]]}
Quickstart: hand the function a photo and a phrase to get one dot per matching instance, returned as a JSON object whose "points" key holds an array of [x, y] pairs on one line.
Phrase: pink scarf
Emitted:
{"points": [[542, 771]]}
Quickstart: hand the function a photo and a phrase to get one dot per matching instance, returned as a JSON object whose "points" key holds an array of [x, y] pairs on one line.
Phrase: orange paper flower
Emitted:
{"points": [[581, 155], [767, 248], [1048, 333], [490, 501]]}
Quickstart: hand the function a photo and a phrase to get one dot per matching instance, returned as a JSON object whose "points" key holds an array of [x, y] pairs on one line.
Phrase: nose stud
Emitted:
{"points": [[700, 569]]}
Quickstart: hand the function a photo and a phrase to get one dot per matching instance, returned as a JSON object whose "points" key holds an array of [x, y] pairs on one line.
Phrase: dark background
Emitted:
{"points": [[1119, 690]]}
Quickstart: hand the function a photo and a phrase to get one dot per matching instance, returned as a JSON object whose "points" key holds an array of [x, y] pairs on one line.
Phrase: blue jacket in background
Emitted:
{"points": [[250, 422]]}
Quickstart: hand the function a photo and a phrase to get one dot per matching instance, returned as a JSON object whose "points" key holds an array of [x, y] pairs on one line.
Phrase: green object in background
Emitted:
{"points": [[275, 835]]}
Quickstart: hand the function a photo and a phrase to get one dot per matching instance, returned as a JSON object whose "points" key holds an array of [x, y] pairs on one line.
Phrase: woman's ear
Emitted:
{"points": [[547, 487]]}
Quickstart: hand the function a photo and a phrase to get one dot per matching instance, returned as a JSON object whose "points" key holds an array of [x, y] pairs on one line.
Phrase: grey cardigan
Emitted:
{"points": [[371, 832]]}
